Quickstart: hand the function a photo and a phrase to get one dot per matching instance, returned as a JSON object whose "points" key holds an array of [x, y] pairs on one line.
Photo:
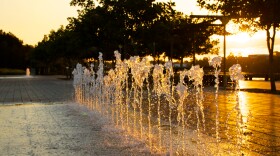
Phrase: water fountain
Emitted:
{"points": [[27, 72], [216, 63], [144, 101]]}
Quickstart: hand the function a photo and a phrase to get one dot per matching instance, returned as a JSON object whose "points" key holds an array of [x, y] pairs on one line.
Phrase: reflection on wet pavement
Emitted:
{"points": [[257, 84], [259, 123]]}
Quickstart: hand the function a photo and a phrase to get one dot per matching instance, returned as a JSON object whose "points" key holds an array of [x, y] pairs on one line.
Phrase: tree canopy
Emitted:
{"points": [[13, 54], [142, 27]]}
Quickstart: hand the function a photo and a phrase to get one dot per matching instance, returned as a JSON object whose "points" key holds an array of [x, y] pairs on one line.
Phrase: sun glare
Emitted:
{"points": [[239, 44], [240, 39]]}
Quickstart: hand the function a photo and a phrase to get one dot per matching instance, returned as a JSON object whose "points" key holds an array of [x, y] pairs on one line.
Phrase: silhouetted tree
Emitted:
{"points": [[13, 54], [58, 50], [141, 28]]}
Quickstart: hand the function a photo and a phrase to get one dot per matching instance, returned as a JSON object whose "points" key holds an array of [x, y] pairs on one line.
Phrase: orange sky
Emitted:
{"points": [[30, 20]]}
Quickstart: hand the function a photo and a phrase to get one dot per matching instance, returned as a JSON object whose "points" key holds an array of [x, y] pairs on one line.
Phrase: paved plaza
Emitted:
{"points": [[260, 119], [38, 117], [35, 89]]}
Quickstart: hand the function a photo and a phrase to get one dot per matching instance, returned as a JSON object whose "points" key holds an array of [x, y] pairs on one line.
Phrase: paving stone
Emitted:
{"points": [[38, 117]]}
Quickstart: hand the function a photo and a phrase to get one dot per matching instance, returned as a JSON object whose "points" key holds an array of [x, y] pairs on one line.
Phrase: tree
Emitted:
{"points": [[123, 23], [134, 20], [140, 27], [198, 36], [56, 51], [252, 15], [13, 54]]}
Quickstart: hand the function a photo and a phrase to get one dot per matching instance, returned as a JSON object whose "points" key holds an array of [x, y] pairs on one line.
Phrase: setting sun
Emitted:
{"points": [[241, 42], [244, 44]]}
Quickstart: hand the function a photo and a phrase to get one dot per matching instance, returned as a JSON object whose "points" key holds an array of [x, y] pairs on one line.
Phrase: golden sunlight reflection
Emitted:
{"points": [[244, 110], [242, 84]]}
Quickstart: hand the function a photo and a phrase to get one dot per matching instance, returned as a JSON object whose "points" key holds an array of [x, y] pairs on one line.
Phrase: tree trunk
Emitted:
{"points": [[270, 46], [271, 72]]}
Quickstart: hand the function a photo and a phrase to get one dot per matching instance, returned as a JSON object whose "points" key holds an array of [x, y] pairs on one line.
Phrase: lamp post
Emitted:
{"points": [[224, 21]]}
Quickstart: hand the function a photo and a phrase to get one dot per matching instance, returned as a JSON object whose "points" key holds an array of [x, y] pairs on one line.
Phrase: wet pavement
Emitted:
{"points": [[258, 84], [259, 122], [37, 117]]}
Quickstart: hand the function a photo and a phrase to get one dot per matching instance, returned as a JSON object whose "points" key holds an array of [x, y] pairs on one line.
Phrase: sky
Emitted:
{"points": [[30, 20]]}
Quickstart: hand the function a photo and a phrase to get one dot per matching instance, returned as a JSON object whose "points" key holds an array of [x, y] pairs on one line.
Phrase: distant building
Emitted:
{"points": [[258, 56], [259, 63], [263, 56]]}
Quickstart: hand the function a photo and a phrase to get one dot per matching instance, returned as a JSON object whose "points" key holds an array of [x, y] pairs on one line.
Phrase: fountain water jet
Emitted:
{"points": [[157, 79], [143, 100], [182, 90], [236, 76], [216, 63]]}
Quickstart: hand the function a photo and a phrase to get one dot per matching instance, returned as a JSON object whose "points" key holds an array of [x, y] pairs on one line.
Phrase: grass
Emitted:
{"points": [[8, 71]]}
